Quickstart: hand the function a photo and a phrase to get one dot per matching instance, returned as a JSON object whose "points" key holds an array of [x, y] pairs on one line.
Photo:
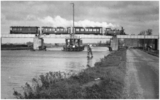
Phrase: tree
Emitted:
{"points": [[142, 33], [122, 31], [149, 32]]}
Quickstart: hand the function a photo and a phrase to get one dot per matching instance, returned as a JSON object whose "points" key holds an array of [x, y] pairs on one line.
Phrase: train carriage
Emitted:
{"points": [[97, 30], [48, 30], [54, 30], [88, 30], [79, 30], [24, 30], [61, 30]]}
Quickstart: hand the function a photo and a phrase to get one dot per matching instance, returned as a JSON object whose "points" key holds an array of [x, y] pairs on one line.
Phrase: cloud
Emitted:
{"points": [[59, 21], [132, 15], [31, 17], [3, 18]]}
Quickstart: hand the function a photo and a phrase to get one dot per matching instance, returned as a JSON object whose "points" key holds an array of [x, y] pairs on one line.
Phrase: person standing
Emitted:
{"points": [[89, 51]]}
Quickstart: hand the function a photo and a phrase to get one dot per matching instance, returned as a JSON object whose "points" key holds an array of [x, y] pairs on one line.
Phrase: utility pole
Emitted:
{"points": [[73, 20]]}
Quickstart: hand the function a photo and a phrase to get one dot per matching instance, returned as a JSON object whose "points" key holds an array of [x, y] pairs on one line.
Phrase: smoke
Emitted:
{"points": [[59, 21]]}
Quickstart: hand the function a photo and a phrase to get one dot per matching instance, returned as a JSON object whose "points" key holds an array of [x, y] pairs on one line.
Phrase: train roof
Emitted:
{"points": [[52, 27], [48, 27], [78, 27], [24, 26], [97, 27], [108, 28], [88, 27], [93, 27]]}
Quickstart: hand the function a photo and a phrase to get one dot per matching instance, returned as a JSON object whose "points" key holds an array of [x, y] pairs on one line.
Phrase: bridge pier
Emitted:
{"points": [[156, 44], [114, 43], [38, 43]]}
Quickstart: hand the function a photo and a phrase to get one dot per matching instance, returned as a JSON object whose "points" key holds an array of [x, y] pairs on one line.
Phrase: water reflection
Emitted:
{"points": [[89, 62]]}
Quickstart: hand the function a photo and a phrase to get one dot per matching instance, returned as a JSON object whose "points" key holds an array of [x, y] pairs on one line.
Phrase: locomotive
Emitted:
{"points": [[45, 30], [113, 32]]}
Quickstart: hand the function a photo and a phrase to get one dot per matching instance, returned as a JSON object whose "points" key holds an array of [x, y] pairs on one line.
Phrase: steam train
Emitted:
{"points": [[45, 30]]}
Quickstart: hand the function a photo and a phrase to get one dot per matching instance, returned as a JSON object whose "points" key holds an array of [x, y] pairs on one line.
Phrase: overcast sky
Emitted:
{"points": [[134, 16]]}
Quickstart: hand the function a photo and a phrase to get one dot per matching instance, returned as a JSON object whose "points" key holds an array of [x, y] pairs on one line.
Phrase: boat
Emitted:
{"points": [[73, 44]]}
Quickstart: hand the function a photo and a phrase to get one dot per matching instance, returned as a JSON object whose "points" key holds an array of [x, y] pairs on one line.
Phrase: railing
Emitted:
{"points": [[84, 36], [59, 36], [138, 36]]}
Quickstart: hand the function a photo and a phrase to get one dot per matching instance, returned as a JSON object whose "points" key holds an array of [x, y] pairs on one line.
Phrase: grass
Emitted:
{"points": [[104, 81]]}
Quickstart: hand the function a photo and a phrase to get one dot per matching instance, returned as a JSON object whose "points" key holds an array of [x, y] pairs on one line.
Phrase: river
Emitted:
{"points": [[20, 66]]}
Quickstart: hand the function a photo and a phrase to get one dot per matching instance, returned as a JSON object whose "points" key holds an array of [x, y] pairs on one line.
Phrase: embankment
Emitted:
{"points": [[15, 47], [104, 81]]}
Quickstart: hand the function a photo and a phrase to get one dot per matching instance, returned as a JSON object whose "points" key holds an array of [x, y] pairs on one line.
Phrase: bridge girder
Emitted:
{"points": [[85, 36]]}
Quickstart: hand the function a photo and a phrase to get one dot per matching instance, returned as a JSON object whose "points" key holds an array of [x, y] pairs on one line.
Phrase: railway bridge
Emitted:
{"points": [[128, 40]]}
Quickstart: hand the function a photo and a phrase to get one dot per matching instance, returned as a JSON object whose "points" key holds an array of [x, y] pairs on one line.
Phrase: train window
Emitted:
{"points": [[20, 29], [82, 29], [57, 29], [50, 29], [61, 29], [94, 30], [97, 29], [77, 30], [90, 30], [65, 29], [86, 29]]}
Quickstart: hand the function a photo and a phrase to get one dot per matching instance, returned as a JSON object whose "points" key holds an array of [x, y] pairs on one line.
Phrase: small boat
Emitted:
{"points": [[73, 44]]}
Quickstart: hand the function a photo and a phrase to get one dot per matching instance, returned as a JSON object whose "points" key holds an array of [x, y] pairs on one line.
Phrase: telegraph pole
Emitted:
{"points": [[73, 19]]}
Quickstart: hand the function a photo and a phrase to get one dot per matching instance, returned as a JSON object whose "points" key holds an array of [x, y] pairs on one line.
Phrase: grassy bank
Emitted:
{"points": [[104, 81], [15, 47]]}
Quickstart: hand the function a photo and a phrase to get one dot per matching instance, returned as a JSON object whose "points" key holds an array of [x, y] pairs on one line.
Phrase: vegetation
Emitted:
{"points": [[10, 46], [147, 32], [104, 81]]}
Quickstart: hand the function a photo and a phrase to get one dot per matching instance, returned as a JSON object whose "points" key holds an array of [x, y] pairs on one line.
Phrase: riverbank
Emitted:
{"points": [[15, 47], [104, 80], [29, 46]]}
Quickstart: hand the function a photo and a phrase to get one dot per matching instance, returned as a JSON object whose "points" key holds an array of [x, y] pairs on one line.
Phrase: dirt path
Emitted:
{"points": [[142, 76]]}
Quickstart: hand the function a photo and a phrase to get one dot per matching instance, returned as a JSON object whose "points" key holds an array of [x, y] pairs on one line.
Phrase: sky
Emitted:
{"points": [[133, 16]]}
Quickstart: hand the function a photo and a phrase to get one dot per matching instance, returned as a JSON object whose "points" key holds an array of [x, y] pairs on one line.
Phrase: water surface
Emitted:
{"points": [[20, 66]]}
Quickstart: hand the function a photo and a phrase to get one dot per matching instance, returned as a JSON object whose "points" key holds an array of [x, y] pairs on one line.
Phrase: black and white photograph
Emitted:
{"points": [[79, 49]]}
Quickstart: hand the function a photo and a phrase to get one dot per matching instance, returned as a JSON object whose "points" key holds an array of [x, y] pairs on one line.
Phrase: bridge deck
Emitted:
{"points": [[58, 36], [138, 36], [84, 36]]}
